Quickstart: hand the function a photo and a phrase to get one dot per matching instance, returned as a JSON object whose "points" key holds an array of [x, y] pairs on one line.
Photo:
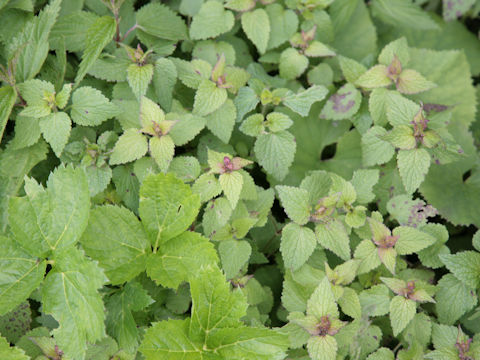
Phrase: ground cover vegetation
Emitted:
{"points": [[240, 179]]}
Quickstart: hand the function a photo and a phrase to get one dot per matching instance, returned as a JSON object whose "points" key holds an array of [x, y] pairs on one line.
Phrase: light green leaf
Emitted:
{"points": [[412, 82], [375, 77], [211, 21], [207, 187], [333, 236], [401, 136], [162, 150], [214, 306], [52, 218], [350, 303], [249, 343], [376, 151], [208, 98], [397, 48], [253, 125], [453, 299], [256, 25], [413, 166], [363, 181], [56, 130], [115, 238], [180, 258], [465, 266], [322, 301], [234, 255], [34, 92], [167, 207], [186, 128], [221, 121], [231, 184], [120, 322], [70, 295], [172, 27], [139, 77], [402, 311], [302, 101], [375, 301], [32, 43], [8, 95], [322, 347], [70, 30], [11, 353], [297, 245], [411, 240], [132, 145], [186, 168], [351, 69], [170, 340], [245, 101], [382, 354], [292, 64], [99, 34], [90, 107], [400, 110], [283, 24], [295, 201], [21, 274], [164, 80], [275, 153]]}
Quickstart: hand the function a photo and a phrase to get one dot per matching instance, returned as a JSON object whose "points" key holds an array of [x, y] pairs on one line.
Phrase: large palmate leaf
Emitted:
{"points": [[53, 218], [116, 239], [70, 295]]}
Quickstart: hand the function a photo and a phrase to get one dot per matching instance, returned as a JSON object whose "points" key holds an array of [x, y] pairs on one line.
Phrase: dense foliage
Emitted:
{"points": [[240, 179]]}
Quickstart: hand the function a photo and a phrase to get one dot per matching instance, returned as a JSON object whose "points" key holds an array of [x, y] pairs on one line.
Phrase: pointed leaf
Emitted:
{"points": [[413, 166], [208, 98], [275, 153], [256, 25], [211, 21], [232, 184], [402, 311], [56, 129], [297, 245], [132, 145], [90, 107]]}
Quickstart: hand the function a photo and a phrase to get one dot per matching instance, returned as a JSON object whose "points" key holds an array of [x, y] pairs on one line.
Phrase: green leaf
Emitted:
{"points": [[376, 151], [11, 353], [283, 24], [8, 95], [401, 136], [52, 218], [403, 14], [302, 101], [120, 322], [402, 311], [382, 354], [245, 101], [351, 69], [180, 258], [99, 35], [90, 107], [413, 166], [322, 301], [333, 236], [343, 104], [453, 299], [207, 187], [400, 110], [465, 266], [56, 129], [411, 240], [375, 77], [295, 201], [162, 150], [186, 128], [115, 238], [132, 145], [256, 25], [139, 77], [221, 121], [412, 82], [454, 9], [232, 184], [208, 98], [21, 274], [167, 207], [234, 255], [70, 30], [214, 306], [186, 168], [172, 27], [275, 153], [375, 301], [211, 21], [164, 80], [70, 295], [253, 125], [292, 64], [170, 340], [297, 245], [32, 42], [322, 347], [363, 181], [34, 92]]}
